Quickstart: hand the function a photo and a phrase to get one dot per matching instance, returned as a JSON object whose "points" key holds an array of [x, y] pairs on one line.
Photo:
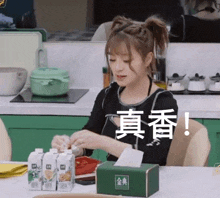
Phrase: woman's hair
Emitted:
{"points": [[145, 37], [199, 2]]}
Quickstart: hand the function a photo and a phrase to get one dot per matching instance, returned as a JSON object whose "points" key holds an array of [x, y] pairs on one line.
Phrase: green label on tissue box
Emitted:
{"points": [[122, 182]]}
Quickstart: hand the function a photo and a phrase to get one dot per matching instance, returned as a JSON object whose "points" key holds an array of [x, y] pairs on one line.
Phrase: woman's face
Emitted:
{"points": [[119, 63]]}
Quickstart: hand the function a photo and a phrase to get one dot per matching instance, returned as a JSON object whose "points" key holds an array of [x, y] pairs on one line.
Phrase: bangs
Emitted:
{"points": [[118, 44]]}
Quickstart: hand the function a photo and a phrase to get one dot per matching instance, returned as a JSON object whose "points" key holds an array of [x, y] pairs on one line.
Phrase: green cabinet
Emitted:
{"points": [[213, 127], [30, 132], [199, 120]]}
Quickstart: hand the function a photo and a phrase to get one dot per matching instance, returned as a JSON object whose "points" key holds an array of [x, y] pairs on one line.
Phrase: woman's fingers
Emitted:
{"points": [[78, 142], [74, 137], [60, 142]]}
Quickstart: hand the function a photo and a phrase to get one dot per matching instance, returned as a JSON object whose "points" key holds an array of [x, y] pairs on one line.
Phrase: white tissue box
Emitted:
{"points": [[128, 181]]}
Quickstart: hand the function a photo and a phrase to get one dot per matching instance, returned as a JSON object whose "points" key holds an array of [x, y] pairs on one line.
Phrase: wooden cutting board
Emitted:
{"points": [[21, 49]]}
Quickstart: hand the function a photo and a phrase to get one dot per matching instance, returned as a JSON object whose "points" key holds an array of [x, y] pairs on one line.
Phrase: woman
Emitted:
{"points": [[203, 26], [130, 51]]}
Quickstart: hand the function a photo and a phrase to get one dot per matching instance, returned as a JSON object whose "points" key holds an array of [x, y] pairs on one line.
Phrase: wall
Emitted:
{"points": [[188, 58], [65, 15], [83, 61]]}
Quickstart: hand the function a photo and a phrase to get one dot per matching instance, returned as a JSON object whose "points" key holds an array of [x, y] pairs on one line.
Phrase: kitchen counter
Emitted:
{"points": [[198, 106], [82, 107]]}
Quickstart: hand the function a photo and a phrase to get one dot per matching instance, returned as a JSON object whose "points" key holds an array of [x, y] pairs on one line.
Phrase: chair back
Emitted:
{"points": [[191, 150], [103, 32], [5, 143]]}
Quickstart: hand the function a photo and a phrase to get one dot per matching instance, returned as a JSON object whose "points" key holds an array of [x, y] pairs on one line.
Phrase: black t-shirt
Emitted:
{"points": [[105, 108], [195, 30]]}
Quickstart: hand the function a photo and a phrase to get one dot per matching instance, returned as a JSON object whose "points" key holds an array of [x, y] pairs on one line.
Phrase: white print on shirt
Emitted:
{"points": [[130, 124], [167, 131], [155, 141]]}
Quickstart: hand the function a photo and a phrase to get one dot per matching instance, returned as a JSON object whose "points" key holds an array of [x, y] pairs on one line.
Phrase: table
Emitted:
{"points": [[175, 182]]}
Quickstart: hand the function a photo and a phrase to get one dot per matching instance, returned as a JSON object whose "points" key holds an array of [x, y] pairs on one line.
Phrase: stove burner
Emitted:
{"points": [[72, 96]]}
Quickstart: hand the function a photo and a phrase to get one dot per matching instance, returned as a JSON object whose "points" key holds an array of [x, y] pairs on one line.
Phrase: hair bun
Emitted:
{"points": [[119, 22], [159, 31]]}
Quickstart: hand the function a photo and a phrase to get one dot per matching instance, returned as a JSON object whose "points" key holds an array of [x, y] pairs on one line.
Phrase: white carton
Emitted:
{"points": [[35, 169], [50, 170], [66, 171]]}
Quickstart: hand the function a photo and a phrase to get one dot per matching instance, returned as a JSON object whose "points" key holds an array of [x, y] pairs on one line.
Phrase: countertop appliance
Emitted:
{"points": [[174, 83], [196, 83], [214, 86], [72, 96]]}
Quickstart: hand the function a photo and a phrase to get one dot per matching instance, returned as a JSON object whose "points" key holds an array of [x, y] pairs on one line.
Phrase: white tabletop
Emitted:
{"points": [[181, 182]]}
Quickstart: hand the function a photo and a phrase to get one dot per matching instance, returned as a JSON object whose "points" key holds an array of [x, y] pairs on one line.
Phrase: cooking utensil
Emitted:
{"points": [[12, 80], [176, 77], [174, 84], [197, 83], [196, 78], [215, 83], [215, 78], [49, 81]]}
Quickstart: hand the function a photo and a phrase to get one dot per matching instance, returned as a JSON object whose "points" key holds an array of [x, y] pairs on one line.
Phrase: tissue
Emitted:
{"points": [[130, 157]]}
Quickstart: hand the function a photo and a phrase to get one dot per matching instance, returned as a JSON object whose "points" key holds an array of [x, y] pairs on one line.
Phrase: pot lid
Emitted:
{"points": [[215, 78], [49, 72], [175, 76], [197, 77]]}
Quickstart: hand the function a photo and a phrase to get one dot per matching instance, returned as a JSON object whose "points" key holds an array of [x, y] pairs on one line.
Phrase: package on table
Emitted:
{"points": [[35, 160], [66, 171]]}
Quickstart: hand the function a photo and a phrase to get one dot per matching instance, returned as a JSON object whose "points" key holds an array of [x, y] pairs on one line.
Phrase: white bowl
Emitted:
{"points": [[196, 86], [214, 87], [12, 80], [175, 87]]}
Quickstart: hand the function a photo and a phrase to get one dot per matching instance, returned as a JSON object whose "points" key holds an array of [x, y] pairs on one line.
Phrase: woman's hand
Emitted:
{"points": [[61, 142], [91, 140], [86, 139]]}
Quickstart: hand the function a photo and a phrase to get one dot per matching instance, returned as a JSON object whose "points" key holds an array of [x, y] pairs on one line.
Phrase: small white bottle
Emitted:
{"points": [[66, 171], [50, 170], [35, 160]]}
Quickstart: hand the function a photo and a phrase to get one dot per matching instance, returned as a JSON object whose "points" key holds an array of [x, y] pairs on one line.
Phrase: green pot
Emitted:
{"points": [[49, 81]]}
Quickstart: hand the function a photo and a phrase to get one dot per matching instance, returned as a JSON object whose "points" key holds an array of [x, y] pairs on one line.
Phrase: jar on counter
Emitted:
{"points": [[157, 80], [106, 77]]}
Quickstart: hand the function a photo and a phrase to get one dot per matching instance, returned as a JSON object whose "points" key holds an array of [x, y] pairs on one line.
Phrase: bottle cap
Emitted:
{"points": [[53, 150], [39, 150]]}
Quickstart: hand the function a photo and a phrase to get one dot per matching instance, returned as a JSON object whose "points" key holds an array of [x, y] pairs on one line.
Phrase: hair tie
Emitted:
{"points": [[122, 28]]}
